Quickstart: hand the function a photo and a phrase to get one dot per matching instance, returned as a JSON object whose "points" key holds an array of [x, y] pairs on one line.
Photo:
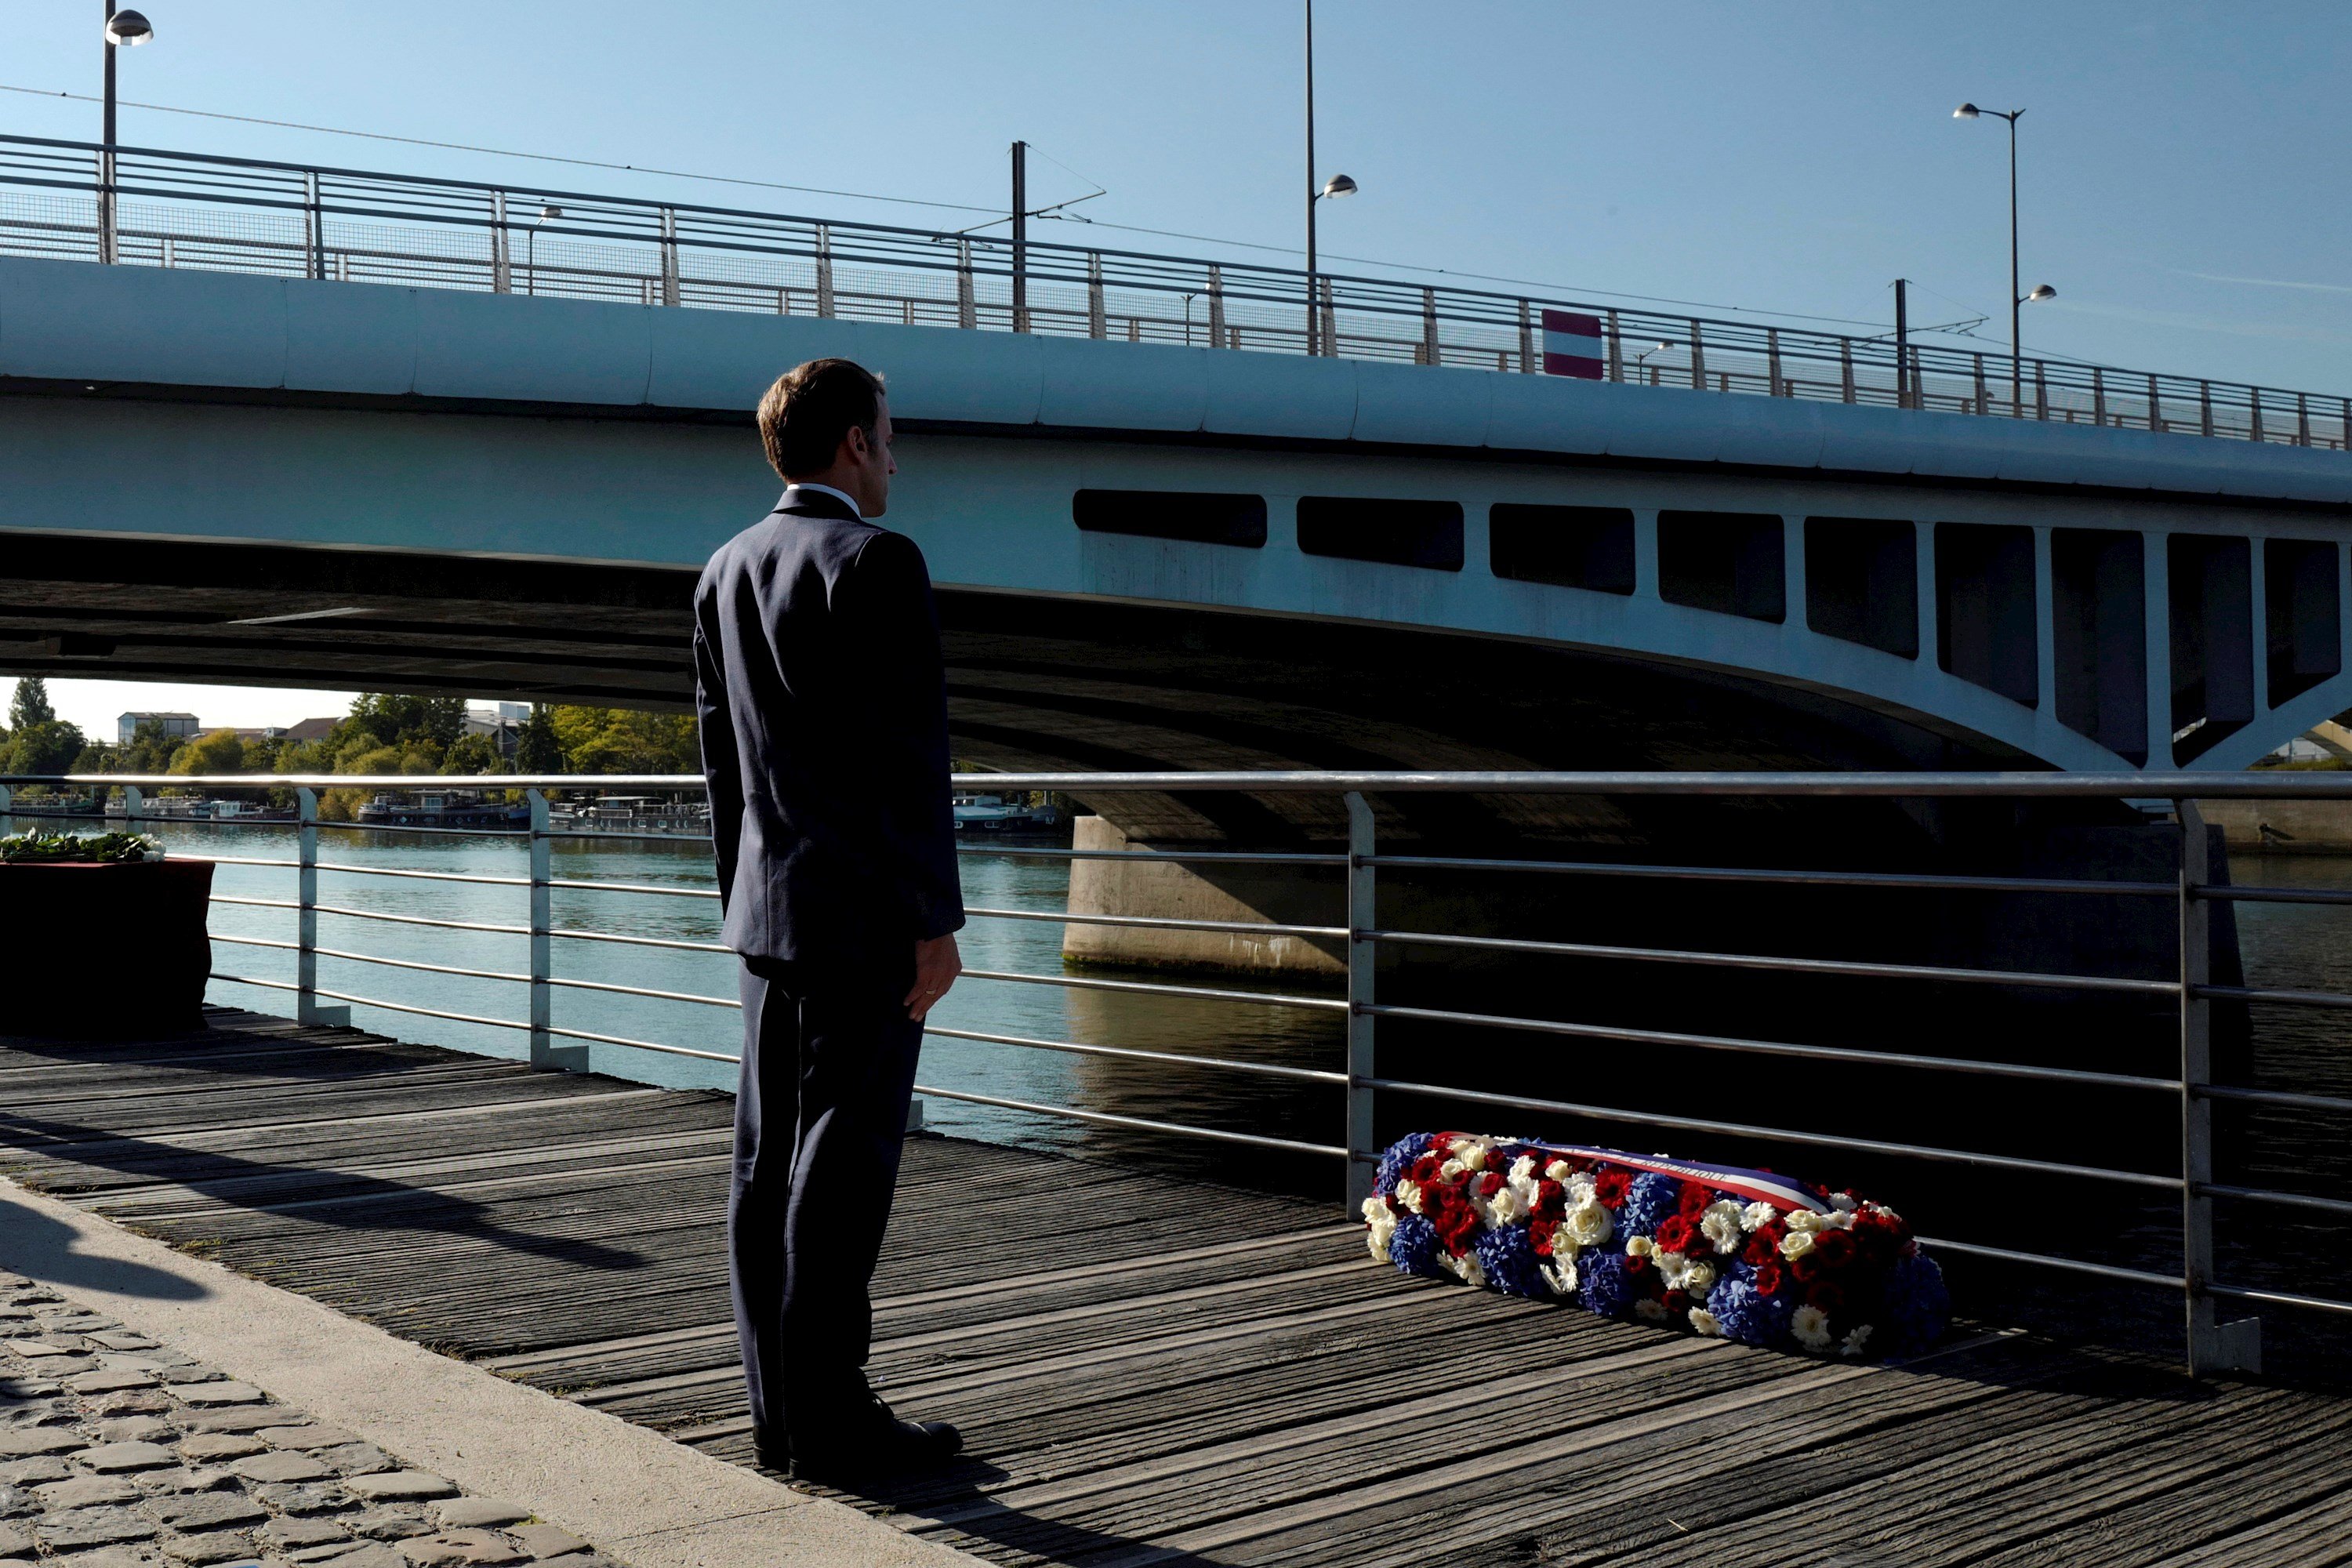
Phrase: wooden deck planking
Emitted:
{"points": [[1148, 1369]]}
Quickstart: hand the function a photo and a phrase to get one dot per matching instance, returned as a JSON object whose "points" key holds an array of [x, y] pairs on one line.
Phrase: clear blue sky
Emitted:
{"points": [[2185, 165]]}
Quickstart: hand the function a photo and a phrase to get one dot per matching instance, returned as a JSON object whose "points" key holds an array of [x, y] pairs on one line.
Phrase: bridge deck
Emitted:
{"points": [[1149, 1370]]}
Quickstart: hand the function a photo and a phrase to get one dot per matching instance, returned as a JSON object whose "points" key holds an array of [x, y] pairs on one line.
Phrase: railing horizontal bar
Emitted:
{"points": [[642, 1045], [408, 919], [396, 827], [1887, 880], [417, 964], [2274, 1097], [417, 876], [1225, 857], [1776, 1134], [643, 991], [255, 903], [2277, 1298], [2269, 1196], [240, 861], [2282, 998], [646, 941], [654, 888], [242, 980], [1147, 988], [1774, 1048], [420, 1012], [1178, 1058], [253, 941], [642, 838], [1787, 965], [1156, 922], [2044, 1260], [1141, 1123], [2273, 895]]}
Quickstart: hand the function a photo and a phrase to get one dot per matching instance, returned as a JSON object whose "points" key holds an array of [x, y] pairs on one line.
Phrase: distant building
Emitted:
{"points": [[126, 725], [310, 730], [265, 732], [503, 724]]}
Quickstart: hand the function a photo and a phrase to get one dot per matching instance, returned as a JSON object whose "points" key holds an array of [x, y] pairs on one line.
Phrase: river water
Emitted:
{"points": [[1182, 1026]]}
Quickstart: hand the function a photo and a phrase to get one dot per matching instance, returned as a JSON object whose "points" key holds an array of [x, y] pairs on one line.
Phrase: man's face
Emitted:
{"points": [[874, 463]]}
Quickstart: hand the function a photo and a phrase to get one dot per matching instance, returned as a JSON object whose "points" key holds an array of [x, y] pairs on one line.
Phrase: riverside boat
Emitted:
{"points": [[444, 808]]}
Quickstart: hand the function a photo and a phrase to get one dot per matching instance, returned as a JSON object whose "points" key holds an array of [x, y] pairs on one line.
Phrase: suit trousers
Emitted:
{"points": [[820, 1117]]}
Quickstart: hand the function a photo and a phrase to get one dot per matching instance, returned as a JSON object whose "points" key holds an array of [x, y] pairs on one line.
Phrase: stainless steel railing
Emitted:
{"points": [[2190, 1091], [153, 207]]}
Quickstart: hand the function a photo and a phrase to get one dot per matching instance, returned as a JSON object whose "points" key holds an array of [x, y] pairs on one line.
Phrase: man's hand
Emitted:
{"points": [[936, 964]]}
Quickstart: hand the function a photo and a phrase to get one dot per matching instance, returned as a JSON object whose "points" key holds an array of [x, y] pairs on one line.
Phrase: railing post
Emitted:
{"points": [[2214, 1346], [2205, 406], [1527, 341], [1699, 358], [967, 303], [2254, 399], [1845, 368], [543, 1014], [2302, 419], [106, 251], [825, 271], [1330, 339], [501, 270], [7, 796], [2098, 397], [1217, 307], [1098, 325], [1363, 956], [1772, 362], [2041, 389], [1983, 406], [1616, 350], [2155, 405], [670, 287], [133, 797], [1429, 326], [306, 901], [314, 229]]}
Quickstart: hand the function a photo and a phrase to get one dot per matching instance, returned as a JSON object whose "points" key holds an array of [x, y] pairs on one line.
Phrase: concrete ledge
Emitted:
{"points": [[646, 1499]]}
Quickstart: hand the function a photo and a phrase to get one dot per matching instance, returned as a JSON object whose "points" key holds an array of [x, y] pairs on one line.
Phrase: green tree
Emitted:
{"points": [[473, 755], [43, 746], [398, 721], [537, 750], [150, 749], [626, 740], [31, 704], [222, 752]]}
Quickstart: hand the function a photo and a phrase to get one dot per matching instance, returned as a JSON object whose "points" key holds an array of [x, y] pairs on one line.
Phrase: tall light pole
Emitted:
{"points": [[1338, 185], [124, 29], [2017, 297]]}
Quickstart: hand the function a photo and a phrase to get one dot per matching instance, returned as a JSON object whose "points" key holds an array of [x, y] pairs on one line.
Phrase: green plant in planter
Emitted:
{"points": [[107, 849]]}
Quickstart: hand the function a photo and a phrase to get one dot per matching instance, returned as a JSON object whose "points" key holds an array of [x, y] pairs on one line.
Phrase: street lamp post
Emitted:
{"points": [[1338, 185], [530, 249], [2017, 297], [124, 29]]}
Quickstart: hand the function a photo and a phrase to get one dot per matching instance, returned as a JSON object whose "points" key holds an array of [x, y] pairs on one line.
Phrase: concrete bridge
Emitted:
{"points": [[1153, 555]]}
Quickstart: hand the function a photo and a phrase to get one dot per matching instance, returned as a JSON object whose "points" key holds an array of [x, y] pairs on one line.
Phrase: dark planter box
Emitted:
{"points": [[104, 952]]}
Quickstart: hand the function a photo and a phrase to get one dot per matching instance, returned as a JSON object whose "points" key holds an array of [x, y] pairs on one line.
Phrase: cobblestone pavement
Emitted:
{"points": [[118, 1452]]}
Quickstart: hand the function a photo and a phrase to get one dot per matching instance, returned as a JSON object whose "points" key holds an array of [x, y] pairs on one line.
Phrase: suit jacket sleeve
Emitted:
{"points": [[898, 678], [722, 769]]}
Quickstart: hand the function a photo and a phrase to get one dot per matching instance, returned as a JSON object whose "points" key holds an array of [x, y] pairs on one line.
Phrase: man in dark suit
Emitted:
{"points": [[824, 720]]}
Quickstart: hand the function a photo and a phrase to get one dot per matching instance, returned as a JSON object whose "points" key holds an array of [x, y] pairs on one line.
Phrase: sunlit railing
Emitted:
{"points": [[151, 207], [2185, 1092]]}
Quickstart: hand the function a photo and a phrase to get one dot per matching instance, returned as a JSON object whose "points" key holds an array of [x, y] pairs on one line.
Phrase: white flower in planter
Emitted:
{"points": [[1705, 1321], [1812, 1327], [1722, 1224]]}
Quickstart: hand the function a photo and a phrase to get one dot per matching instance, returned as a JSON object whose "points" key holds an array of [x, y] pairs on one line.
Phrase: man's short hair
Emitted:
{"points": [[812, 407]]}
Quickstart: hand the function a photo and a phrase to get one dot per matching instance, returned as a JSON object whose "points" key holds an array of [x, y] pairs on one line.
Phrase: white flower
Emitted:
{"points": [[1382, 1223], [1453, 1170], [1523, 1170], [1672, 1267], [1557, 1170], [1581, 1190], [1699, 1277], [1465, 1268], [1638, 1247], [1757, 1215], [1807, 1220], [1856, 1340], [1841, 1203], [1409, 1194], [1812, 1327], [1373, 1208], [1501, 1209], [1651, 1309], [1721, 1225], [1796, 1244], [1705, 1321], [1587, 1225], [1559, 1274], [1472, 1153]]}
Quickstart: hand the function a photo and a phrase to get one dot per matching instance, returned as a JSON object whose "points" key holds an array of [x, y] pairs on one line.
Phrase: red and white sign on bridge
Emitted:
{"points": [[1571, 344]]}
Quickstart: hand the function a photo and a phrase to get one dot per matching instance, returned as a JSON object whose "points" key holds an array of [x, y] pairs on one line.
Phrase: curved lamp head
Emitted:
{"points": [[550, 212], [2041, 292], [1340, 185], [1966, 111], [129, 29]]}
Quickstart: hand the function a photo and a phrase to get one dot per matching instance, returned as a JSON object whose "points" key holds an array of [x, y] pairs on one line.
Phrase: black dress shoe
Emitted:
{"points": [[771, 1452], [870, 1443]]}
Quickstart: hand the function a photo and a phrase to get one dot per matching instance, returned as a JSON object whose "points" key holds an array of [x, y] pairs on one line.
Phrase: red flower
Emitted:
{"points": [[1636, 1266], [1692, 1200], [1834, 1247], [1769, 1277], [1426, 1169], [1765, 1245], [1678, 1302], [1539, 1235], [1551, 1199], [1490, 1183], [1828, 1297], [1609, 1186], [1674, 1233], [1805, 1266]]}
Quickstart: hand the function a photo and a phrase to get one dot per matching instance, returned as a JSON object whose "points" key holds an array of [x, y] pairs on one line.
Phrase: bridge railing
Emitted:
{"points": [[153, 207], [2184, 1091]]}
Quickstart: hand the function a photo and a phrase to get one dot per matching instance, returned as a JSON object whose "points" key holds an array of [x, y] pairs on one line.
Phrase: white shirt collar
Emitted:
{"points": [[850, 501]]}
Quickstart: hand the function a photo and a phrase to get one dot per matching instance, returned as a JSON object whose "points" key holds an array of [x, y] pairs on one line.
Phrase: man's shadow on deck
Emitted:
{"points": [[342, 1199]]}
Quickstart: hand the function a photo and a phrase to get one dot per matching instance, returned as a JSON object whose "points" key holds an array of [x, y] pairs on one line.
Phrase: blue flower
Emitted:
{"points": [[1602, 1282], [1651, 1199], [1398, 1159], [1747, 1314], [1509, 1258], [1413, 1248], [1918, 1305]]}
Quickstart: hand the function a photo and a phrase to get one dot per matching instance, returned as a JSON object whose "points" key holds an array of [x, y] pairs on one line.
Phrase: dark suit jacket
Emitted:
{"points": [[825, 738]]}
